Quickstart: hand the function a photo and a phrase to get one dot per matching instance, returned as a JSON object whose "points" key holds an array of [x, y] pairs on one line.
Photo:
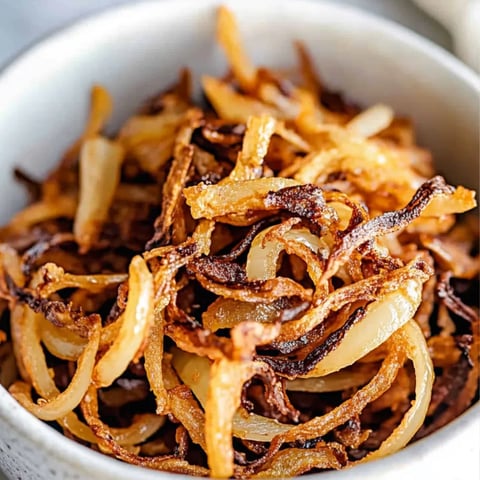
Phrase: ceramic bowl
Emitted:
{"points": [[136, 50]]}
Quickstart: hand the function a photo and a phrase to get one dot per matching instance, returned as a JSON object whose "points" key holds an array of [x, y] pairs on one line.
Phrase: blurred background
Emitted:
{"points": [[23, 22]]}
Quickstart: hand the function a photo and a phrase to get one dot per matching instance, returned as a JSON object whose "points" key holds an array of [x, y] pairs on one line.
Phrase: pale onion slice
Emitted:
{"points": [[371, 121], [32, 354], [371, 165], [100, 111], [271, 94], [18, 335], [334, 382], [250, 426], [100, 164], [61, 342], [344, 213], [228, 36], [312, 117], [71, 423], [143, 426], [382, 319], [262, 258], [316, 164], [194, 371], [223, 399], [65, 402], [210, 201], [110, 332], [136, 323], [417, 351], [223, 402]]}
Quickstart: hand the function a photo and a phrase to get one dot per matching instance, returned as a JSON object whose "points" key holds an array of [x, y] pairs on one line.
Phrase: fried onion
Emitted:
{"points": [[258, 287]]}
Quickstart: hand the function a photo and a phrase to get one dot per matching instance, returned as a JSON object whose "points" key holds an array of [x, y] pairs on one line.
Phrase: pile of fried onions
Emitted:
{"points": [[272, 285]]}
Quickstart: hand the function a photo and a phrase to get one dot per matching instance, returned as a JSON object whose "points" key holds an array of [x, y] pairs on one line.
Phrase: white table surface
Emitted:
{"points": [[24, 22]]}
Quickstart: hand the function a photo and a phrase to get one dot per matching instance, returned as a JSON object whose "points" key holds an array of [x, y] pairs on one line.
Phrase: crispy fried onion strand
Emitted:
{"points": [[50, 278], [382, 318], [373, 288], [100, 163], [60, 405], [107, 443], [223, 399], [295, 461], [210, 201], [378, 385], [194, 371], [136, 323], [262, 259], [253, 289], [392, 221], [417, 352]]}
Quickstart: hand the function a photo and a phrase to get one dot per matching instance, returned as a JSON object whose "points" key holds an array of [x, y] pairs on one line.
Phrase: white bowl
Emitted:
{"points": [[137, 49]]}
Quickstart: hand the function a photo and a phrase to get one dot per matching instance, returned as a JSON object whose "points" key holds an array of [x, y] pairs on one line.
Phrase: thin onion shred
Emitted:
{"points": [[261, 288]]}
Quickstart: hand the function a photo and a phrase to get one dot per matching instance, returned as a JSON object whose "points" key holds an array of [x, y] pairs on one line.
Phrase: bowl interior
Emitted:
{"points": [[137, 50]]}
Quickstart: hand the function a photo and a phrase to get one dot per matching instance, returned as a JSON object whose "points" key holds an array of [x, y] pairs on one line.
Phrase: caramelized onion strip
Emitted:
{"points": [[61, 342], [60, 405], [194, 371], [255, 146], [378, 385], [153, 361], [417, 351], [228, 37], [108, 444], [369, 289], [295, 461], [51, 278], [210, 201], [100, 163], [138, 317], [382, 319]]}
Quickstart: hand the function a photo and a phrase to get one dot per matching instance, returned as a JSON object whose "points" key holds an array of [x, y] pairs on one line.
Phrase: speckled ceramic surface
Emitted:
{"points": [[31, 450], [138, 49]]}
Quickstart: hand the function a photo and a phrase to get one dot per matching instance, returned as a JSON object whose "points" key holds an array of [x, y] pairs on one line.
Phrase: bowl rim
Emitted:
{"points": [[19, 419], [384, 25]]}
